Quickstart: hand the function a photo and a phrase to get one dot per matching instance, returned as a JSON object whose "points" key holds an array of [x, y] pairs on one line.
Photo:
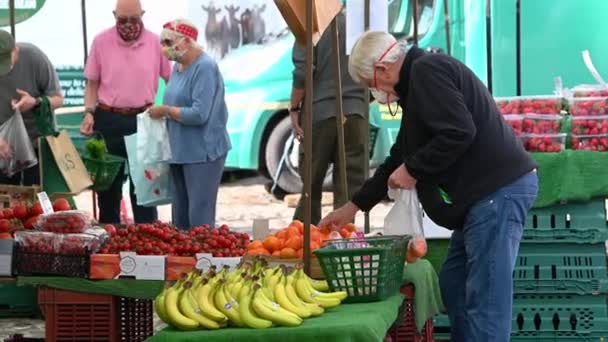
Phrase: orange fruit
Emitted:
{"points": [[276, 254], [315, 235], [282, 234], [292, 231], [288, 253], [314, 246], [259, 251], [345, 233], [300, 253], [410, 257], [298, 224], [350, 227], [256, 244], [418, 247], [294, 242], [272, 243]]}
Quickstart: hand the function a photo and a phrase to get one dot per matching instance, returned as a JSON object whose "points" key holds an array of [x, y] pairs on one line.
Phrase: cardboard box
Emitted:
{"points": [[294, 13], [6, 257], [177, 265], [204, 261], [130, 265]]}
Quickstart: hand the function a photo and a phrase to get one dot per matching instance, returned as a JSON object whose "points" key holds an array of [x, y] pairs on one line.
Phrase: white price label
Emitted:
{"points": [[45, 202]]}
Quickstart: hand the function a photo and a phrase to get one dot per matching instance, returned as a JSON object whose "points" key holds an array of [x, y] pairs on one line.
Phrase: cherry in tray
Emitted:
{"points": [[66, 222]]}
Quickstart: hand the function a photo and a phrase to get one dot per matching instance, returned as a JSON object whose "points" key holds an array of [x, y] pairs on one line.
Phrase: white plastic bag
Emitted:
{"points": [[405, 218], [152, 139], [16, 150], [152, 181]]}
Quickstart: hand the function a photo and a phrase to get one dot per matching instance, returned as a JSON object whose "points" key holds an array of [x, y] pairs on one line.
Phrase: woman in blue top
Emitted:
{"points": [[196, 110]]}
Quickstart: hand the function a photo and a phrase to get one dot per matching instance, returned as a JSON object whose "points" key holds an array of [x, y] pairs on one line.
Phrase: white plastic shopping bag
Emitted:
{"points": [[405, 218], [152, 139], [16, 150], [152, 181]]}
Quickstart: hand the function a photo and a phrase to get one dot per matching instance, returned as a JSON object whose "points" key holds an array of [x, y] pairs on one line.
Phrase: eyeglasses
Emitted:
{"points": [[128, 19]]}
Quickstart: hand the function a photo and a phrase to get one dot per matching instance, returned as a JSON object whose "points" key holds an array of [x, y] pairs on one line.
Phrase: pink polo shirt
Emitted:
{"points": [[128, 74]]}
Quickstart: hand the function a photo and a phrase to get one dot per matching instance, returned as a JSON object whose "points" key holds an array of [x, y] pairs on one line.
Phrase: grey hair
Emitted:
{"points": [[367, 51], [173, 35]]}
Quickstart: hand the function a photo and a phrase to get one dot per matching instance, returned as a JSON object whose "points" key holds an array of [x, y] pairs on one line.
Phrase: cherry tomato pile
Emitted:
{"points": [[163, 239], [23, 216]]}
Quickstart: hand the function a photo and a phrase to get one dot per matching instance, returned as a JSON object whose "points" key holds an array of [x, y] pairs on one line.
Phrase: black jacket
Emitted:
{"points": [[452, 137]]}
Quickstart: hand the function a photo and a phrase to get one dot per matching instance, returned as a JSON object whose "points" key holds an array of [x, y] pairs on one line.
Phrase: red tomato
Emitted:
{"points": [[61, 204]]}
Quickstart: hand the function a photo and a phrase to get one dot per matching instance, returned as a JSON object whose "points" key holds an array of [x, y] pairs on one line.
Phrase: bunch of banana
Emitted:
{"points": [[253, 296]]}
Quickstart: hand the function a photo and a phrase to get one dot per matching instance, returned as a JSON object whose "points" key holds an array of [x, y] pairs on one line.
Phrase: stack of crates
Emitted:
{"points": [[561, 277]]}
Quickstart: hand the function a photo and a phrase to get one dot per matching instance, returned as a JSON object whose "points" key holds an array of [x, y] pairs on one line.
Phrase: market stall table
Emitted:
{"points": [[366, 322], [130, 288]]}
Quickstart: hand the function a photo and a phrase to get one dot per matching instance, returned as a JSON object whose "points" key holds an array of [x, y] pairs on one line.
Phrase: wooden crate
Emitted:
{"points": [[10, 194]]}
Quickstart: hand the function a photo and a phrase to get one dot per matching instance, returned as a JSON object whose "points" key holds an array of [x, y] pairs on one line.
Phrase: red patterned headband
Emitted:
{"points": [[186, 30]]}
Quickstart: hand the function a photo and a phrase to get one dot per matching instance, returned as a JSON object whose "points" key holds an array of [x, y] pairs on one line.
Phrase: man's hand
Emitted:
{"points": [[86, 127], [25, 103], [295, 124], [340, 217], [5, 150], [401, 179], [158, 112]]}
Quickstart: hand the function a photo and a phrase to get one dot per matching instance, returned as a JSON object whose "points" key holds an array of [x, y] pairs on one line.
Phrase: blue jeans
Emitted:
{"points": [[477, 277], [195, 188]]}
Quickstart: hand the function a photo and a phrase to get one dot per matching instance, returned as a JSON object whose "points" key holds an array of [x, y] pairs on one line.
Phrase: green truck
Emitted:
{"points": [[528, 51]]}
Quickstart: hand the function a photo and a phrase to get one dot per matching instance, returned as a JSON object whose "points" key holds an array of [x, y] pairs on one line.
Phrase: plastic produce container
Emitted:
{"points": [[542, 124], [590, 142], [585, 106], [544, 142], [590, 125]]}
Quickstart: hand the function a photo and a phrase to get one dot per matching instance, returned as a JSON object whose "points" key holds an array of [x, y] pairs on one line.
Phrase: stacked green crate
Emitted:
{"points": [[561, 276], [17, 301]]}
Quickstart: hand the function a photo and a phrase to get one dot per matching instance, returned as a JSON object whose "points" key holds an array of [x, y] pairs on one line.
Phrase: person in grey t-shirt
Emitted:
{"points": [[26, 75], [324, 132]]}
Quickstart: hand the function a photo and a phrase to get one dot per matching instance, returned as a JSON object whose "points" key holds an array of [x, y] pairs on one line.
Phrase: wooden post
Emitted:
{"points": [[83, 10], [340, 118], [446, 14], [366, 223], [518, 47], [12, 18], [308, 135], [489, 42]]}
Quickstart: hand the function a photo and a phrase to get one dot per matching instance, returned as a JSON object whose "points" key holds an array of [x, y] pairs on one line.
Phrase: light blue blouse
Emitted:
{"points": [[201, 135]]}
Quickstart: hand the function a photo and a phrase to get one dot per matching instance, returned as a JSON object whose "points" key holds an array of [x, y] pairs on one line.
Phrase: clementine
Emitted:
{"points": [[272, 243], [294, 242], [288, 253]]}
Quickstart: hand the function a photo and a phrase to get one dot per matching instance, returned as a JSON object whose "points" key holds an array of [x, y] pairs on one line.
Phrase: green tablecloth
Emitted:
{"points": [[571, 176], [143, 289], [366, 322]]}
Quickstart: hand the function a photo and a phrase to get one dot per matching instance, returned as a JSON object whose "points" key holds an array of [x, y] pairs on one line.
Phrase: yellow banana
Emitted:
{"points": [[175, 317], [190, 309], [281, 298], [340, 295], [159, 306], [315, 309], [205, 302], [309, 296], [227, 306], [249, 317], [273, 312], [320, 285]]}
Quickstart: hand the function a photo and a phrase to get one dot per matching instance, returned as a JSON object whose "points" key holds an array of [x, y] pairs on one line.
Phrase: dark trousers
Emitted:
{"points": [[26, 177], [114, 127], [325, 153]]}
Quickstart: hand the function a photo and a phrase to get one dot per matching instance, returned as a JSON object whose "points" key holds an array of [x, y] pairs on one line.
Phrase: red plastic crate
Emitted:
{"points": [[74, 316], [406, 330]]}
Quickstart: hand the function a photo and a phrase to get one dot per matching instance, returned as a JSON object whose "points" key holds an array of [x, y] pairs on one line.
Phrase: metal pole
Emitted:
{"points": [[366, 223], [340, 119], [489, 42], [12, 18], [446, 14], [415, 3], [83, 9], [518, 46], [308, 135]]}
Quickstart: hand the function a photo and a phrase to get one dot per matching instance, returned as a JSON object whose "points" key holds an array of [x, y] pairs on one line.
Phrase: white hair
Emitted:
{"points": [[174, 35], [367, 51]]}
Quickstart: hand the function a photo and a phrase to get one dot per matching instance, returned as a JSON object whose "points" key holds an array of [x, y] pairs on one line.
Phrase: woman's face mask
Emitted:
{"points": [[172, 50]]}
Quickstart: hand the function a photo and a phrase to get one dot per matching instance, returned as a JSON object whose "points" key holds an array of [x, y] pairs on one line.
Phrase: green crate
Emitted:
{"points": [[441, 327], [561, 268], [568, 223], [558, 315], [367, 274], [565, 336], [17, 301]]}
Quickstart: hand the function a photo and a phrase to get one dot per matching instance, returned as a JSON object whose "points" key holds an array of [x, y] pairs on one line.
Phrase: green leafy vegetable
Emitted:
{"points": [[96, 149]]}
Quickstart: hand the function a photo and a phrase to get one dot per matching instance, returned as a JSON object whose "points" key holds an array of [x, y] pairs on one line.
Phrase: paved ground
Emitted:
{"points": [[239, 203]]}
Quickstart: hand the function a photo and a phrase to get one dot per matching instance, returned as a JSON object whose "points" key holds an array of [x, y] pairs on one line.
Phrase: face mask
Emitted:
{"points": [[131, 30], [173, 52]]}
